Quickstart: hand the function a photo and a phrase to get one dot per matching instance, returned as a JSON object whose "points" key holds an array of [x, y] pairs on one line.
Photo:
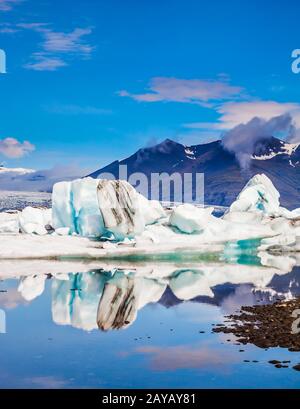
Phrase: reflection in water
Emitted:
{"points": [[168, 308], [111, 299]]}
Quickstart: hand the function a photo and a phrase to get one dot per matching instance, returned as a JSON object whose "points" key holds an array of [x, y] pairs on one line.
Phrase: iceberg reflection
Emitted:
{"points": [[110, 299]]}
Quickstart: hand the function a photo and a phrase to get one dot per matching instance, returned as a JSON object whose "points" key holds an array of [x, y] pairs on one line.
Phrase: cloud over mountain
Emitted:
{"points": [[195, 91], [12, 148]]}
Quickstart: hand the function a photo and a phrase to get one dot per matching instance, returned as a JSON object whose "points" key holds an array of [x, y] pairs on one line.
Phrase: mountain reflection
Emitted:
{"points": [[110, 299]]}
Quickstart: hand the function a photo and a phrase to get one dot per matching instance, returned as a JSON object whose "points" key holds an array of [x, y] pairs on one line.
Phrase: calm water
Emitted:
{"points": [[151, 321]]}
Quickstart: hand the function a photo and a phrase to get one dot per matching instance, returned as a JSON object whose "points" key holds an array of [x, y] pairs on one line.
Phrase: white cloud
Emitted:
{"points": [[242, 139], [12, 148], [67, 42], [186, 90], [232, 114], [7, 5], [235, 113], [44, 62], [57, 47]]}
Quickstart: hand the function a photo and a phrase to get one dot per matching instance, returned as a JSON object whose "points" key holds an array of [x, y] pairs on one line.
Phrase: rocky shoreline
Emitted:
{"points": [[267, 326]]}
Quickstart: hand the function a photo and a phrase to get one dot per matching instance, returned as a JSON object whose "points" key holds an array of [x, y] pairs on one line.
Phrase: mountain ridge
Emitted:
{"points": [[224, 177]]}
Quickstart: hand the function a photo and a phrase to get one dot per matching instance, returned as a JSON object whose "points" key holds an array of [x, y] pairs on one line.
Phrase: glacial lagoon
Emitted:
{"points": [[140, 324]]}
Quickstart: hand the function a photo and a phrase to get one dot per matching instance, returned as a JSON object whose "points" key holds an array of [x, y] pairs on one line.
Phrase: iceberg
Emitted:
{"points": [[129, 224], [151, 210], [62, 209], [95, 208], [259, 195], [75, 206], [29, 221], [9, 223], [34, 220], [191, 219], [259, 202], [88, 219]]}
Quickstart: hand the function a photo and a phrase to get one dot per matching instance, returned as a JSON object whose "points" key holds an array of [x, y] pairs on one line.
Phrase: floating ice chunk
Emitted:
{"points": [[150, 237], [294, 214], [259, 194], [151, 210], [62, 210], [119, 205], [9, 223], [87, 215], [191, 219], [243, 217], [63, 231], [109, 245], [47, 216], [34, 220], [75, 206]]}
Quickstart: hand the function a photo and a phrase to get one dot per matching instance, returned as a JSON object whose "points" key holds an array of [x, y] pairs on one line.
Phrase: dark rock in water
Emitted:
{"points": [[266, 326], [297, 367]]}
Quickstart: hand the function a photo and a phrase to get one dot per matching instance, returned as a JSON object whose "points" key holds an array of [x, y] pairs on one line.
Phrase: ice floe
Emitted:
{"points": [[107, 218]]}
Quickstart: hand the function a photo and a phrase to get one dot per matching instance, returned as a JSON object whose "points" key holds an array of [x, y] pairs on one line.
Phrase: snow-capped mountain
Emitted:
{"points": [[224, 178], [29, 180], [14, 171], [267, 149]]}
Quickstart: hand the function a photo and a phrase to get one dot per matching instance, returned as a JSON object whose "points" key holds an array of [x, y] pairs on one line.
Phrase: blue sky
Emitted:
{"points": [[92, 81]]}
